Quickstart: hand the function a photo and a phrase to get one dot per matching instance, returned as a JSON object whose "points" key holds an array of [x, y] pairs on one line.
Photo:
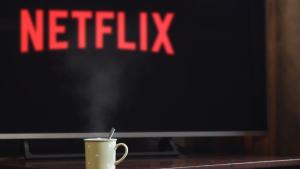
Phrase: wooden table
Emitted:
{"points": [[181, 162]]}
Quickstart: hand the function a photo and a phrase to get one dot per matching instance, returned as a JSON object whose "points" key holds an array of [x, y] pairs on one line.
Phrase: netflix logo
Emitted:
{"points": [[33, 34]]}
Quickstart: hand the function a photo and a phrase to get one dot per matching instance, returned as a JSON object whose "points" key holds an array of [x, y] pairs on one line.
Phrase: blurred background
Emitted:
{"points": [[283, 97]]}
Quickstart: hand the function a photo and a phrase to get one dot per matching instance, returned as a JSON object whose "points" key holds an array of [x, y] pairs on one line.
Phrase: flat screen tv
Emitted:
{"points": [[76, 68]]}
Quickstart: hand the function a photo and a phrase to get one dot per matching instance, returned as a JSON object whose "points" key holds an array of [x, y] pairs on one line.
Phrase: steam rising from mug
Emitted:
{"points": [[99, 87], [103, 78]]}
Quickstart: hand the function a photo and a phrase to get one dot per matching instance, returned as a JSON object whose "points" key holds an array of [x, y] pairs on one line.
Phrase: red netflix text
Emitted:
{"points": [[32, 30]]}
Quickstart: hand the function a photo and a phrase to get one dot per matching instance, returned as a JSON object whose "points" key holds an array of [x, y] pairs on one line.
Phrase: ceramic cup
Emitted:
{"points": [[100, 153]]}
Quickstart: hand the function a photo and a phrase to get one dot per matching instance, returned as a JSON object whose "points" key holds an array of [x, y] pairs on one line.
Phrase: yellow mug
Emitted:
{"points": [[100, 153]]}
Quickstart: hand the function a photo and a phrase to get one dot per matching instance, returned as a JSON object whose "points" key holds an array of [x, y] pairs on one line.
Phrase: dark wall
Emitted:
{"points": [[289, 77], [11, 148]]}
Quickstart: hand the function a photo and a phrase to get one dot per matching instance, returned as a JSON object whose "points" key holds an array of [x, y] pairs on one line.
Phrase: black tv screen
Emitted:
{"points": [[140, 66]]}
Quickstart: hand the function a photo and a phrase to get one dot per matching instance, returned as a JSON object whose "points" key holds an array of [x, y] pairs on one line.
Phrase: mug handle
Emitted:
{"points": [[124, 155]]}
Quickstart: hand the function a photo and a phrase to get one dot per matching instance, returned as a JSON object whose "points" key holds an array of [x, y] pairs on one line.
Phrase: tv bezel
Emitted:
{"points": [[132, 134]]}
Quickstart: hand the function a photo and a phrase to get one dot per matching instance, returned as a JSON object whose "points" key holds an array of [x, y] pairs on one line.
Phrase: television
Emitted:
{"points": [[74, 69]]}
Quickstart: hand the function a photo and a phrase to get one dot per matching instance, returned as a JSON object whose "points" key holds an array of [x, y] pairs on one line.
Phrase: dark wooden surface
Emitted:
{"points": [[158, 163]]}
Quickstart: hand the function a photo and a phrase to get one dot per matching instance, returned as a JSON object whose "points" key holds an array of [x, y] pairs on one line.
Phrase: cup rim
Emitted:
{"points": [[100, 139]]}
